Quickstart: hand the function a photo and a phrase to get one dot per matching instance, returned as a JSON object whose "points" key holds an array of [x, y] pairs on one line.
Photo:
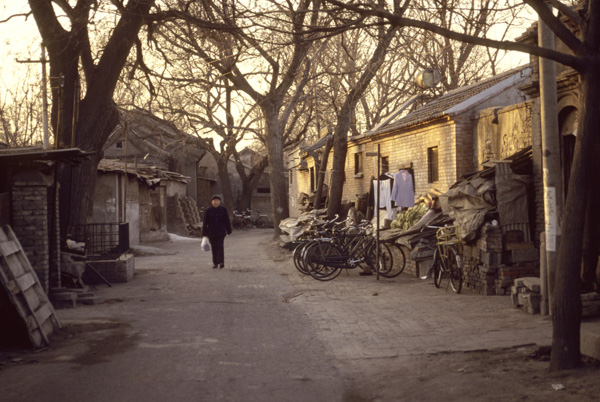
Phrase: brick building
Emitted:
{"points": [[29, 203], [438, 141]]}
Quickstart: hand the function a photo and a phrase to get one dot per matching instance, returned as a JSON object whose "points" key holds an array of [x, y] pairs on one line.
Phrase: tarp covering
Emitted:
{"points": [[511, 195], [468, 202]]}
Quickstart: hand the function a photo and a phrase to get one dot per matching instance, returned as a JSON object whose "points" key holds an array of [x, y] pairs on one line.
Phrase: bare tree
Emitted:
{"points": [[85, 118], [263, 53], [581, 35], [361, 80], [21, 111]]}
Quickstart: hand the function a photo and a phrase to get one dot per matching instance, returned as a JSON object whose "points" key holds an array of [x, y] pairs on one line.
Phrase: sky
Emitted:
{"points": [[19, 39]]}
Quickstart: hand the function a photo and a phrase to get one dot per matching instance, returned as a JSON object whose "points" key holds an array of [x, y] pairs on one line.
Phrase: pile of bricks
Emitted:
{"points": [[525, 293], [490, 267], [480, 260]]}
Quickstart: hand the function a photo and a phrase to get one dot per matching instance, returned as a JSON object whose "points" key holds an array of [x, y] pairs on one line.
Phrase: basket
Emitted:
{"points": [[448, 235]]}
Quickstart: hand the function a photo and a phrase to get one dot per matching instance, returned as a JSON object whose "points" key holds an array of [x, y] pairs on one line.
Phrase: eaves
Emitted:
{"points": [[441, 118]]}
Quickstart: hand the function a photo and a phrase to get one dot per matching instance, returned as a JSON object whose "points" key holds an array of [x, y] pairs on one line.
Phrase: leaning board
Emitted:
{"points": [[24, 289]]}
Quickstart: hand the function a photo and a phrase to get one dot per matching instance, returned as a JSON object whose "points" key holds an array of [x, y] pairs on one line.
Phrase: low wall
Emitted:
{"points": [[120, 270]]}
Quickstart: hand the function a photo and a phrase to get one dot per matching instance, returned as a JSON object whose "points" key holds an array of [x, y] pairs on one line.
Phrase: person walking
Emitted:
{"points": [[216, 226]]}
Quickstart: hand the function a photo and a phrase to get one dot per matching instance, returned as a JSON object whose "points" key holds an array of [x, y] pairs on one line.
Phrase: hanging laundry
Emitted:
{"points": [[385, 200], [403, 193]]}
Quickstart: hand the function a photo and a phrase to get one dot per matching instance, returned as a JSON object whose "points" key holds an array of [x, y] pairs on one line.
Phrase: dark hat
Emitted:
{"points": [[215, 197]]}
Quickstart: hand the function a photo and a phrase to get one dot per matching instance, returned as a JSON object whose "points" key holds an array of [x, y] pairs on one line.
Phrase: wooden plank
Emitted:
{"points": [[3, 235], [25, 281], [32, 300], [15, 265], [9, 247], [25, 264], [43, 313], [12, 287], [25, 291]]}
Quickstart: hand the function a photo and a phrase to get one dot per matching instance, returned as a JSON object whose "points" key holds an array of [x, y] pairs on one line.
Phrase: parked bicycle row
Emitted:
{"points": [[329, 247], [326, 248]]}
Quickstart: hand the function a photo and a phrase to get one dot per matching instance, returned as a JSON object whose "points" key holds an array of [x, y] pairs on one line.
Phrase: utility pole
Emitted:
{"points": [[44, 95], [553, 195]]}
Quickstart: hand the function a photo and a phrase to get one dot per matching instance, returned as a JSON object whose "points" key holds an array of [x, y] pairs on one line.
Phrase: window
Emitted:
{"points": [[263, 190], [119, 144], [358, 163], [385, 164], [432, 164], [312, 179]]}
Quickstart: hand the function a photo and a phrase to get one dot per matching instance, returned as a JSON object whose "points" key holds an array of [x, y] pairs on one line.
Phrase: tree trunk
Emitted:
{"points": [[322, 170], [566, 309], [279, 198], [338, 168], [225, 183], [97, 120]]}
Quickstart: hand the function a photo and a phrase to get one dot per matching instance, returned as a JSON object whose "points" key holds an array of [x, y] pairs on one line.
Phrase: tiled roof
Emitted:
{"points": [[457, 100]]}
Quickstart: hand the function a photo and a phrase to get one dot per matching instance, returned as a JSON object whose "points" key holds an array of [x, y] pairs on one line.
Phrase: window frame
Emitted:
{"points": [[433, 164]]}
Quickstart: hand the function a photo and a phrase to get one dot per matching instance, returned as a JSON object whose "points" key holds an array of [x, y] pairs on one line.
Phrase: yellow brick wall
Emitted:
{"points": [[405, 148]]}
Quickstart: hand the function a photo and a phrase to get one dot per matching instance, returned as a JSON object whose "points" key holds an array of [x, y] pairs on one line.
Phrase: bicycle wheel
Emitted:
{"points": [[386, 260], [297, 257], [454, 267], [399, 262], [317, 256], [247, 223], [262, 222]]}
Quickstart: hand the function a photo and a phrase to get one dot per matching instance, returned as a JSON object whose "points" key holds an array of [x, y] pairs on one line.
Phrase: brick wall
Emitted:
{"points": [[30, 222]]}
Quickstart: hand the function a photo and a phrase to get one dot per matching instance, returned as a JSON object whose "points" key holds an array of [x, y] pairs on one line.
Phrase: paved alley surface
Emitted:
{"points": [[256, 330]]}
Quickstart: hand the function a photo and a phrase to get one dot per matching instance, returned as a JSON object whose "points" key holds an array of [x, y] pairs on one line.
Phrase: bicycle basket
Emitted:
{"points": [[448, 234]]}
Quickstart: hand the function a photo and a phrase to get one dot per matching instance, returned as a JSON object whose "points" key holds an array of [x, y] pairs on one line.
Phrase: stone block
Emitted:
{"points": [[514, 298], [531, 301], [519, 282], [532, 283], [63, 299]]}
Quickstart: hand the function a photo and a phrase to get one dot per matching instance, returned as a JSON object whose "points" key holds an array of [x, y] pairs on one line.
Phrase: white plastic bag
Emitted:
{"points": [[205, 244]]}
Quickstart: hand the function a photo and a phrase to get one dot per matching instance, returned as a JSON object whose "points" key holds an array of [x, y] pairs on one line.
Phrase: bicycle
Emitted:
{"points": [[241, 221], [325, 258], [261, 221], [446, 257], [315, 230]]}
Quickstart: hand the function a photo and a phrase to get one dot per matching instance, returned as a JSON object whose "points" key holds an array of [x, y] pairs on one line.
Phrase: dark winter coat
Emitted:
{"points": [[216, 222]]}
